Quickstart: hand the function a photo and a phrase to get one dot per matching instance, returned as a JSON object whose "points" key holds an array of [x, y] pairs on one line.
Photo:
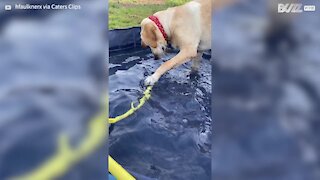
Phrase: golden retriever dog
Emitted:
{"points": [[186, 27]]}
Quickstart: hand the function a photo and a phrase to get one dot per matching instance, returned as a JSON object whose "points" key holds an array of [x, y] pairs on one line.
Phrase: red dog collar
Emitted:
{"points": [[158, 23]]}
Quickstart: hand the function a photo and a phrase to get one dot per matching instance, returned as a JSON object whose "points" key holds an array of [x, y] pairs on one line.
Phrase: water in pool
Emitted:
{"points": [[170, 136]]}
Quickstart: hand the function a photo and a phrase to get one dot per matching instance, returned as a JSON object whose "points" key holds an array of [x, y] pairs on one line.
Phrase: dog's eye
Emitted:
{"points": [[163, 48]]}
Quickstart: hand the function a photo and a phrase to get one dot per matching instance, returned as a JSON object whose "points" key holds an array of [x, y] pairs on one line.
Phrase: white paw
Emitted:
{"points": [[150, 81]]}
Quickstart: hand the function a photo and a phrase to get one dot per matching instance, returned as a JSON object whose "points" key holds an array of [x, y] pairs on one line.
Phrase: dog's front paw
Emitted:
{"points": [[150, 81]]}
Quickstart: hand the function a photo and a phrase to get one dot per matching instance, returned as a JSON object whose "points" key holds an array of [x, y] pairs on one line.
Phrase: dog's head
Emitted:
{"points": [[151, 36]]}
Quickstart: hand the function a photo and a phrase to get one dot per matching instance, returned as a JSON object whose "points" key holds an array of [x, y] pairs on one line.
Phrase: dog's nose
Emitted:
{"points": [[156, 57]]}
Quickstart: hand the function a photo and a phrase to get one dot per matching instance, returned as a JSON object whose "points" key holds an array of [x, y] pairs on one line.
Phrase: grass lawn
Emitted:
{"points": [[129, 13]]}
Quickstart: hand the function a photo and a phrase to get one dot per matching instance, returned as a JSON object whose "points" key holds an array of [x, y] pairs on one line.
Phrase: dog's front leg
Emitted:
{"points": [[196, 62], [182, 57]]}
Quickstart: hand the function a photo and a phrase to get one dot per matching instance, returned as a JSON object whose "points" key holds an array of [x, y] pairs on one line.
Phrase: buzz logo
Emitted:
{"points": [[290, 8]]}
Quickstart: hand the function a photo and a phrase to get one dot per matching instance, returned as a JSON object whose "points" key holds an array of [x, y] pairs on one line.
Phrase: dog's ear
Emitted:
{"points": [[150, 31]]}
